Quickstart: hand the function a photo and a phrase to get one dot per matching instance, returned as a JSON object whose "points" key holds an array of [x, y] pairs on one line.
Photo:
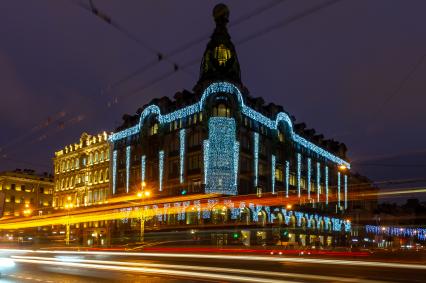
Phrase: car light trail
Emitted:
{"points": [[191, 274], [195, 268], [238, 257]]}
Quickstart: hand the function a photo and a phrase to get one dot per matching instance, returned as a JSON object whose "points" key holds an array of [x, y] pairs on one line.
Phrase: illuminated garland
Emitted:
{"points": [[160, 169], [273, 163], [287, 177], [249, 112], [420, 233], [318, 181], [182, 154], [338, 189], [299, 168], [326, 184], [256, 158], [128, 149], [345, 180], [114, 172], [222, 157], [143, 166], [206, 159], [309, 178]]}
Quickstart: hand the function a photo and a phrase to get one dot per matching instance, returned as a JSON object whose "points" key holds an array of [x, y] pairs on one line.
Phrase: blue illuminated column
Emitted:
{"points": [[273, 164], [160, 169], [236, 161], [143, 167], [338, 189], [206, 159], [287, 177], [128, 151], [326, 184], [182, 155], [345, 180], [114, 172], [309, 178], [299, 170], [256, 158], [318, 181]]}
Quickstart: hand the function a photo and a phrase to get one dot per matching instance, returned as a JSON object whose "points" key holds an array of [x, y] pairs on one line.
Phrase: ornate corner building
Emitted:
{"points": [[81, 172], [219, 139]]}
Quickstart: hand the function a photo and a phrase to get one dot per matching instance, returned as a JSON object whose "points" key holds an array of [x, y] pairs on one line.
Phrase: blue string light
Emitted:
{"points": [[143, 166], [273, 163], [161, 169], [299, 169], [226, 87], [128, 149], [309, 178], [223, 151], [114, 172], [338, 189], [326, 184], [287, 177], [256, 158], [182, 154], [206, 159], [318, 181], [345, 180]]}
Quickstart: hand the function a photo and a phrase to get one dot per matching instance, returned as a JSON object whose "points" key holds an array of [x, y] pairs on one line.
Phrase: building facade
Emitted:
{"points": [[24, 193], [81, 172], [219, 139]]}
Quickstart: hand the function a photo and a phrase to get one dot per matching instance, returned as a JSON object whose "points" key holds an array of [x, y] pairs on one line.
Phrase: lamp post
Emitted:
{"points": [[143, 194], [27, 211], [69, 205]]}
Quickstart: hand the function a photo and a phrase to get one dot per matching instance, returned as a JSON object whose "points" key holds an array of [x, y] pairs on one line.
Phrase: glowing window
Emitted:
{"points": [[222, 54]]}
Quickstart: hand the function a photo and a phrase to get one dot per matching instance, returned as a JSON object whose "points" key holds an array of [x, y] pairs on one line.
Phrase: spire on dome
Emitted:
{"points": [[220, 60]]}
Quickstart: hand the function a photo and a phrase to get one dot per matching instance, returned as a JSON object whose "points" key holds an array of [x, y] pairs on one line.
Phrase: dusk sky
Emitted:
{"points": [[354, 71]]}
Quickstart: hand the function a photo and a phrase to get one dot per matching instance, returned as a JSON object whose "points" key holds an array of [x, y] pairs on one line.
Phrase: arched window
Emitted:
{"points": [[96, 157], [71, 182], [221, 110], [102, 156], [100, 176], [66, 183], [107, 154], [90, 177], [90, 159], [95, 178], [62, 183], [106, 174]]}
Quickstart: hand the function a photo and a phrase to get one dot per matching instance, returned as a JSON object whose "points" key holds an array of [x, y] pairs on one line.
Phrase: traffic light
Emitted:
{"points": [[286, 237], [183, 192], [235, 235]]}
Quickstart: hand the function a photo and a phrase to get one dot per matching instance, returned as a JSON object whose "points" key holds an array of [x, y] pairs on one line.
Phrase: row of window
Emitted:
{"points": [[98, 176], [24, 188], [93, 197], [74, 163]]}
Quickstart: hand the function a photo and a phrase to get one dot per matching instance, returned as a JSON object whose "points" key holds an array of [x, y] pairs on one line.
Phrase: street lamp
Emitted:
{"points": [[143, 195], [69, 205]]}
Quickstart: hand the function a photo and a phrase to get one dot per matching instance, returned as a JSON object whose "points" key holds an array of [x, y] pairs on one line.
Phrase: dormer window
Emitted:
{"points": [[154, 129], [222, 54]]}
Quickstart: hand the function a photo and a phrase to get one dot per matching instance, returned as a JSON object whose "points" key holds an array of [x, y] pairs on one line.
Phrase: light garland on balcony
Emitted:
{"points": [[160, 169], [326, 184], [256, 158], [299, 169], [128, 150], [273, 164], [226, 87], [182, 155], [309, 178], [222, 157], [287, 177], [114, 172]]}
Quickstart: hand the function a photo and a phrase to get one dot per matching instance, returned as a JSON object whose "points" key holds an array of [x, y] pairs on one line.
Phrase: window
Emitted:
{"points": [[102, 156], [96, 157], [106, 174], [194, 139], [77, 165], [195, 162], [221, 110], [173, 168], [222, 54], [90, 158], [279, 174], [154, 129], [281, 136]]}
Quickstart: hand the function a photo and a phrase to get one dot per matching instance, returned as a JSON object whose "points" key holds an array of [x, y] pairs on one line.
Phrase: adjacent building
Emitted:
{"points": [[25, 193], [81, 172]]}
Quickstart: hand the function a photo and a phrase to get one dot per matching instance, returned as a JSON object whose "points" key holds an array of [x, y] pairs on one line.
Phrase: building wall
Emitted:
{"points": [[25, 191], [82, 172]]}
